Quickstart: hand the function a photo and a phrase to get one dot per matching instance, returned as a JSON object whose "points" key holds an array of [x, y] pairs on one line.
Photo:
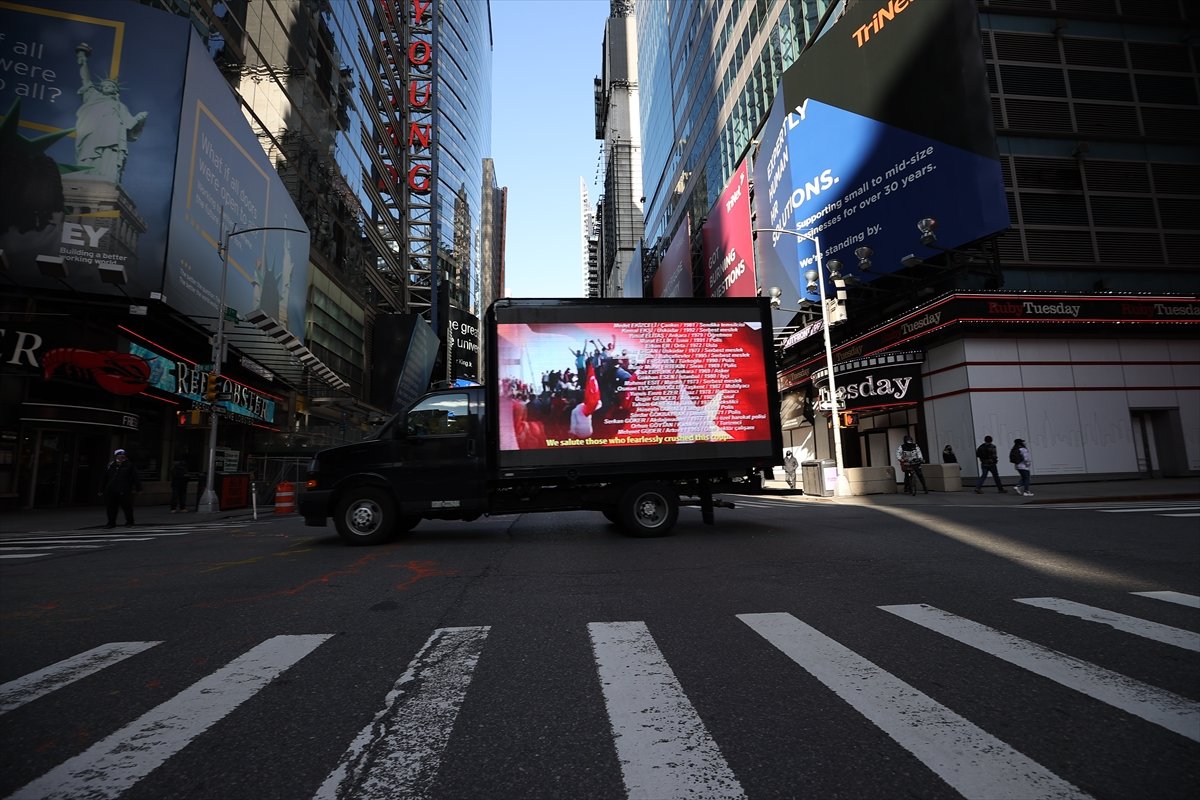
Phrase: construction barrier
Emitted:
{"points": [[285, 498]]}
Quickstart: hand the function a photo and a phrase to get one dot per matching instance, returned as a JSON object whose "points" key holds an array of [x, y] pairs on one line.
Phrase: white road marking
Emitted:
{"points": [[399, 753], [1179, 515], [663, 747], [1169, 710], [1141, 509], [114, 764], [1190, 600], [17, 693], [1122, 622], [72, 540], [25, 555], [969, 759]]}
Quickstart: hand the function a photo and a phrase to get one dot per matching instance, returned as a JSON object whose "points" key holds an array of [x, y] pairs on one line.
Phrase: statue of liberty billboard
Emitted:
{"points": [[104, 126]]}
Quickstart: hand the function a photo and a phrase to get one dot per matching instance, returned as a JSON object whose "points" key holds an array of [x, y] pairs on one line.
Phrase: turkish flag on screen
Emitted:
{"points": [[591, 391]]}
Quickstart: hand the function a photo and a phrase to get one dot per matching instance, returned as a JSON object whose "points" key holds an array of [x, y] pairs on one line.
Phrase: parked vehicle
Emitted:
{"points": [[618, 406]]}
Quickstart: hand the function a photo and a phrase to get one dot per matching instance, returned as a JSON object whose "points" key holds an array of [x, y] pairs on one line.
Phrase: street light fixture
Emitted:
{"points": [[208, 501], [842, 487]]}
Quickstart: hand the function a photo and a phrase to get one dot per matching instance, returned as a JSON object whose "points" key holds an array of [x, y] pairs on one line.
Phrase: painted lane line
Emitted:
{"points": [[400, 752], [1122, 622], [25, 555], [114, 764], [1169, 710], [18, 692], [1180, 515], [58, 547], [1141, 509], [1179, 598], [72, 540], [663, 747], [969, 759]]}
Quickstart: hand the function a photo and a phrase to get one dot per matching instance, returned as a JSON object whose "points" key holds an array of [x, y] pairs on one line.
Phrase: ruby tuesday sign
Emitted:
{"points": [[893, 379]]}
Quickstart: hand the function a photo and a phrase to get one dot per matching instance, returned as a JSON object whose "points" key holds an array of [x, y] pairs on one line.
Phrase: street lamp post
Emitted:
{"points": [[208, 501], [842, 487]]}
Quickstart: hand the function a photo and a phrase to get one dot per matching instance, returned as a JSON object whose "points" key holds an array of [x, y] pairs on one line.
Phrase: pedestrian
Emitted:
{"points": [[986, 453], [1023, 461], [179, 482], [120, 483], [911, 458], [948, 456], [789, 469]]}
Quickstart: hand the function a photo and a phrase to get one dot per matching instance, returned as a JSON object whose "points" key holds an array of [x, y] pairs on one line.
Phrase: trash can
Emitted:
{"points": [[818, 477]]}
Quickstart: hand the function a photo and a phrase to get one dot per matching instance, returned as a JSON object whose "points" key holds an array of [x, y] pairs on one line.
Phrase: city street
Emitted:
{"points": [[908, 648]]}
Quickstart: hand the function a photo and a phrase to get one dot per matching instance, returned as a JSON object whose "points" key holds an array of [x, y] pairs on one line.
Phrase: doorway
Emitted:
{"points": [[1158, 442]]}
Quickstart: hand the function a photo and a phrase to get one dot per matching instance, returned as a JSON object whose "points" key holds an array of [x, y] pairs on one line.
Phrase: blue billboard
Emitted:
{"points": [[90, 96], [883, 122]]}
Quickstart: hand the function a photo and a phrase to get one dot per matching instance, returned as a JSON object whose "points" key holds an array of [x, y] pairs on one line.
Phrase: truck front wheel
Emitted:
{"points": [[366, 516], [649, 509]]}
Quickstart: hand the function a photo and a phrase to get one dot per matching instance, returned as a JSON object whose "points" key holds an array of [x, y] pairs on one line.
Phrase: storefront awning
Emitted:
{"points": [[263, 339]]}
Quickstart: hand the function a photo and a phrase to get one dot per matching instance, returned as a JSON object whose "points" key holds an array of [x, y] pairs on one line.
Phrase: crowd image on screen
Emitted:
{"points": [[591, 393]]}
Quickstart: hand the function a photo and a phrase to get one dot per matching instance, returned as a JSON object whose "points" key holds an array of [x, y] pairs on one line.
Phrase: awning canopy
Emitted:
{"points": [[264, 340]]}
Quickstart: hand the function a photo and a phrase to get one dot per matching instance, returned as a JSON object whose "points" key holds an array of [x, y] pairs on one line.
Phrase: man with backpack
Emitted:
{"points": [[988, 458], [1020, 458]]}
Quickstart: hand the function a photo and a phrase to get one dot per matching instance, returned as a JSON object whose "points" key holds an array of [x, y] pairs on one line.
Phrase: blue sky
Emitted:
{"points": [[545, 55]]}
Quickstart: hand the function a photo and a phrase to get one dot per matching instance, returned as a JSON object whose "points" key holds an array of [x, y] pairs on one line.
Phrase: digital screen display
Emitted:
{"points": [[595, 391]]}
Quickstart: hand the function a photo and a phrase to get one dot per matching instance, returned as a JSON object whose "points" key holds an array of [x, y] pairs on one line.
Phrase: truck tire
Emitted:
{"points": [[649, 509], [367, 516]]}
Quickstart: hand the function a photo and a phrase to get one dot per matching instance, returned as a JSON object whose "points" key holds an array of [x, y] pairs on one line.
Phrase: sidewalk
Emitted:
{"points": [[1136, 489], [91, 518]]}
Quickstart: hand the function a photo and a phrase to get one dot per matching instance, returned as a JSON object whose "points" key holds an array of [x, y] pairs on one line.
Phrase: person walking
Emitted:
{"points": [[120, 483], [179, 482], [1023, 461], [911, 458], [988, 459], [789, 469]]}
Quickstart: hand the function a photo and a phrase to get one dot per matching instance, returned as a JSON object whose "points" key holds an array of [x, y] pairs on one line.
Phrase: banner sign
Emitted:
{"points": [[462, 345], [884, 121], [728, 242], [90, 96], [889, 380], [674, 275]]}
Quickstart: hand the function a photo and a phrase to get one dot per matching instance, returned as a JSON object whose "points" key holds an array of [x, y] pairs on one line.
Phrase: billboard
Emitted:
{"points": [[728, 242], [884, 121], [225, 183], [674, 275], [462, 345], [404, 349], [616, 382], [90, 94]]}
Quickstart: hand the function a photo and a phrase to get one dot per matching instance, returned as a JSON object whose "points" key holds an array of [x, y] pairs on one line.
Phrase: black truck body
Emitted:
{"points": [[617, 406]]}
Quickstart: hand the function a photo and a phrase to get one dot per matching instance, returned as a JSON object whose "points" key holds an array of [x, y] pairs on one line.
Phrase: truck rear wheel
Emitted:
{"points": [[367, 516], [649, 509]]}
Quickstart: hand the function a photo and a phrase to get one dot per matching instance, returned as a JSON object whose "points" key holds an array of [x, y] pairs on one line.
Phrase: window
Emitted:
{"points": [[443, 415]]}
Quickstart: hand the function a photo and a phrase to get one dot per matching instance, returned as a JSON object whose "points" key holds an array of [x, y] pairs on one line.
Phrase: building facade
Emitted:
{"points": [[1074, 326]]}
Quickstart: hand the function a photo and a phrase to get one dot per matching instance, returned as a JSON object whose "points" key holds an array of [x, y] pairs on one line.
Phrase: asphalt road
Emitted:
{"points": [[792, 650]]}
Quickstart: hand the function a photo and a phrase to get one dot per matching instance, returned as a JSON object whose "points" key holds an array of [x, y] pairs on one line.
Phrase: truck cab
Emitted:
{"points": [[428, 461]]}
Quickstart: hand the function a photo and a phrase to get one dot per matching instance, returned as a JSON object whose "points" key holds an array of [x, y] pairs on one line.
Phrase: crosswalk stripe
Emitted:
{"points": [[970, 760], [1122, 622], [115, 763], [24, 555], [662, 745], [399, 752], [1169, 710], [1179, 598], [1180, 515], [17, 693]]}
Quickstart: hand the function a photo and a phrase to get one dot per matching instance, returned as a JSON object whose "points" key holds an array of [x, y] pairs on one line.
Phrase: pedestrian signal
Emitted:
{"points": [[849, 419]]}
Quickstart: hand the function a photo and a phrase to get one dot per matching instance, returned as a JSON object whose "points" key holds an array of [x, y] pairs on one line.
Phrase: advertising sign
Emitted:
{"points": [[90, 96], [187, 380], [872, 383], [728, 243], [674, 275], [883, 122], [462, 345], [225, 183], [691, 385]]}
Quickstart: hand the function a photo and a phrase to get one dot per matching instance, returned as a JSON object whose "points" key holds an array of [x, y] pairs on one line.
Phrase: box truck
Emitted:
{"points": [[625, 407]]}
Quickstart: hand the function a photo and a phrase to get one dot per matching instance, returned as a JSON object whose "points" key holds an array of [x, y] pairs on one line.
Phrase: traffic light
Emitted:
{"points": [[210, 388], [849, 419]]}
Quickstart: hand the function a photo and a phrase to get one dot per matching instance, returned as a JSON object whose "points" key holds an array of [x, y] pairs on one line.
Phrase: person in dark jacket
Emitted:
{"points": [[986, 453], [179, 482], [121, 481], [948, 456], [911, 458]]}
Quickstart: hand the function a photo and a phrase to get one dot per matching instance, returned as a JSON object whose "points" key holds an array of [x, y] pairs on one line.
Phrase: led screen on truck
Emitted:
{"points": [[633, 382]]}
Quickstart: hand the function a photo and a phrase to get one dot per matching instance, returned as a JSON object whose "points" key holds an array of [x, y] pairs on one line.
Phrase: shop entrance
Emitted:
{"points": [[1158, 441], [64, 468]]}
